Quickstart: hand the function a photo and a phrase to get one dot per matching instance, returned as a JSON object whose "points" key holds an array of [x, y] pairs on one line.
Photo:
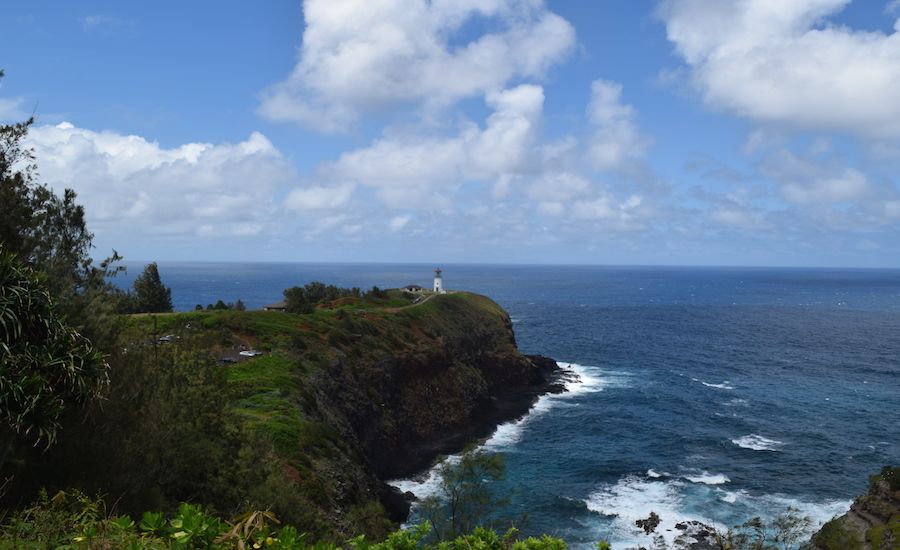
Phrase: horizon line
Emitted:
{"points": [[519, 264]]}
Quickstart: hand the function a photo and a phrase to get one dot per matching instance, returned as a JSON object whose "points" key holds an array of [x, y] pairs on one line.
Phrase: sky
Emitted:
{"points": [[675, 132]]}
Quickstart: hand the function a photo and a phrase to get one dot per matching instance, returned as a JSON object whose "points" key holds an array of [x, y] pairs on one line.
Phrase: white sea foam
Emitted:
{"points": [[707, 478], [577, 380], [653, 473], [634, 497], [426, 484], [819, 512], [590, 379], [756, 442], [726, 385], [506, 434], [732, 497]]}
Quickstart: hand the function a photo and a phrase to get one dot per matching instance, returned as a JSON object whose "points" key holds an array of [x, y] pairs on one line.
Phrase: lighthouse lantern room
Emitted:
{"points": [[438, 281]]}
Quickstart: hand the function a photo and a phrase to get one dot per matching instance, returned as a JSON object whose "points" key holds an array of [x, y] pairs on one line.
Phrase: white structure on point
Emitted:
{"points": [[438, 281]]}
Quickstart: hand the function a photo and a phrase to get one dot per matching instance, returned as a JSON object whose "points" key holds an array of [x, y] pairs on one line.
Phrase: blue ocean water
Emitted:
{"points": [[715, 394]]}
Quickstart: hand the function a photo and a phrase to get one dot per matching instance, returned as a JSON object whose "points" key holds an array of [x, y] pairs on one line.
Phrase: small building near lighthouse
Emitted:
{"points": [[438, 281]]}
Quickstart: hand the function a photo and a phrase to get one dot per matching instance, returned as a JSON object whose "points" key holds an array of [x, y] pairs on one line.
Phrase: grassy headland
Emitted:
{"points": [[312, 417]]}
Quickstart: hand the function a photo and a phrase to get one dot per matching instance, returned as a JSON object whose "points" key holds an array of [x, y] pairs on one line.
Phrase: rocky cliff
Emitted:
{"points": [[456, 377], [873, 521], [356, 392]]}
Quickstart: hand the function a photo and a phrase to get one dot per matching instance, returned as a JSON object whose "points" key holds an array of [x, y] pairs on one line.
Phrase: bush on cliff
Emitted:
{"points": [[891, 476], [833, 536], [303, 299]]}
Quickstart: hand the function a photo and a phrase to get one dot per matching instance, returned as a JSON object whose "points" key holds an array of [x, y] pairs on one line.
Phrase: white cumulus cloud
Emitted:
{"points": [[616, 137], [786, 62], [131, 184], [318, 198], [421, 171], [810, 181], [359, 56]]}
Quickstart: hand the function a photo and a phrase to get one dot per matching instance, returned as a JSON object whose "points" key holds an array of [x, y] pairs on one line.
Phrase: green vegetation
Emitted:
{"points": [[891, 476], [784, 533], [302, 299], [268, 432], [466, 498], [47, 233], [220, 305], [46, 367], [305, 299], [78, 522], [150, 294], [833, 536]]}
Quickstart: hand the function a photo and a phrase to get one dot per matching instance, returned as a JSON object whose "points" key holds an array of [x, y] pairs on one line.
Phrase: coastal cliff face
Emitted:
{"points": [[456, 376], [352, 395], [873, 521]]}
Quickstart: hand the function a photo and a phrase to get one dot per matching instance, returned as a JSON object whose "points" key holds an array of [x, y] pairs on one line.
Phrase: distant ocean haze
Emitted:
{"points": [[704, 393]]}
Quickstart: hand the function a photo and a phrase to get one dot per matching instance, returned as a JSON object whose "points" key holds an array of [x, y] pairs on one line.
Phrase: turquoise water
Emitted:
{"points": [[705, 393]]}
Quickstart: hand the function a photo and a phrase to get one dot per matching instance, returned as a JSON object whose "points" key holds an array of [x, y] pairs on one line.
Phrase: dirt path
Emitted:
{"points": [[401, 308]]}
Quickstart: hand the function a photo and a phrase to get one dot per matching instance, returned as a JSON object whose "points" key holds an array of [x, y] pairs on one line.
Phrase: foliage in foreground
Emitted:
{"points": [[45, 365], [78, 522]]}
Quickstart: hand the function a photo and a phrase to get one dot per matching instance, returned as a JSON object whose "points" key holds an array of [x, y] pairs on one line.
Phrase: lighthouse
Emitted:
{"points": [[438, 281]]}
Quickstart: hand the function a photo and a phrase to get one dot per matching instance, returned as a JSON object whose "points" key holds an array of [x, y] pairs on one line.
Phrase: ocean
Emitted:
{"points": [[714, 394]]}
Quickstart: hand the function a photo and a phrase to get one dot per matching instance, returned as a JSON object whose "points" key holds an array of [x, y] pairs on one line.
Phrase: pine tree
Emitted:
{"points": [[150, 295]]}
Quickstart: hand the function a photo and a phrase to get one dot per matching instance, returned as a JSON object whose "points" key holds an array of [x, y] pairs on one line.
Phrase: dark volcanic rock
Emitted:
{"points": [[449, 378], [697, 536]]}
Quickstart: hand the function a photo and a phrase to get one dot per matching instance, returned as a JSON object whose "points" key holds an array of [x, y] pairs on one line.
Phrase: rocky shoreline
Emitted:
{"points": [[505, 404]]}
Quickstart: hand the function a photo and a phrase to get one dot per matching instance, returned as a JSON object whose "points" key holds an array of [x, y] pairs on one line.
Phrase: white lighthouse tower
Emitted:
{"points": [[438, 281]]}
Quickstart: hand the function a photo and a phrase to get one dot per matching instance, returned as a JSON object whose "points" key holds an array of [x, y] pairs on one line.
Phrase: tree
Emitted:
{"points": [[466, 497], [150, 295], [48, 233], [303, 299], [44, 230], [45, 365]]}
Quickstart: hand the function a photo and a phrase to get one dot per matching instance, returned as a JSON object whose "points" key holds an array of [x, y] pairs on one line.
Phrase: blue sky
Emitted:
{"points": [[742, 132]]}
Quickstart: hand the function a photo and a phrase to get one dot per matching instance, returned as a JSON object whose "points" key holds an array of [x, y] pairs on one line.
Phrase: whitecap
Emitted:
{"points": [[726, 385], [707, 478], [756, 442], [653, 473], [735, 402], [732, 497]]}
